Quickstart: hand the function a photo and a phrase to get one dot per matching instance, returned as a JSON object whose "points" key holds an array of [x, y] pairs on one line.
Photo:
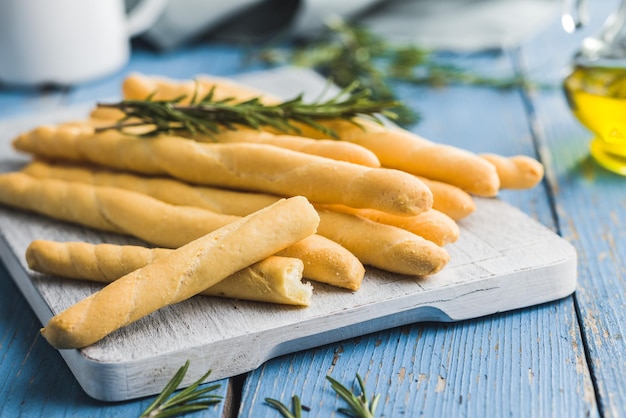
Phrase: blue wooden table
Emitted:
{"points": [[561, 359]]}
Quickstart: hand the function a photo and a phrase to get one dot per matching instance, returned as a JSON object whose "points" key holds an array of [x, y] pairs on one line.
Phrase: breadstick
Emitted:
{"points": [[432, 225], [449, 199], [329, 148], [110, 209], [262, 168], [394, 147], [273, 280], [139, 86], [162, 188], [395, 249], [156, 222], [517, 172], [182, 274]]}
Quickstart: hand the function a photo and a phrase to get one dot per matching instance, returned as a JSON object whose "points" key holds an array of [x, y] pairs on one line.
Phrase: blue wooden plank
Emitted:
{"points": [[36, 382], [525, 363], [477, 368], [590, 205]]}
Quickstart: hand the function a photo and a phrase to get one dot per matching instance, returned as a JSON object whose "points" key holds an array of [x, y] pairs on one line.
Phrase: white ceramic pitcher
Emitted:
{"points": [[66, 42]]}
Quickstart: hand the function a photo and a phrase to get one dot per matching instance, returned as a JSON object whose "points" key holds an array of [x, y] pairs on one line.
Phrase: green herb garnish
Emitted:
{"points": [[193, 398], [358, 405], [296, 407], [207, 116]]}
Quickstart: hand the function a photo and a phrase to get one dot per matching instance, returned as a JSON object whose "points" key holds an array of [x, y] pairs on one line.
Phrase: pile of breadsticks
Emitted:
{"points": [[244, 214]]}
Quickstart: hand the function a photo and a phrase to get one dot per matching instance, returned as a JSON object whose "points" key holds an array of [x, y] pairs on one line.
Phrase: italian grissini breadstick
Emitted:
{"points": [[139, 86], [517, 172], [273, 280], [432, 225], [156, 222], [329, 148], [449, 199], [262, 168], [383, 246], [168, 190], [394, 147], [183, 273]]}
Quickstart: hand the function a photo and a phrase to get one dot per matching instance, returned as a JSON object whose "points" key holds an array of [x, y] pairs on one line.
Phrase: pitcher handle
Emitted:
{"points": [[144, 15]]}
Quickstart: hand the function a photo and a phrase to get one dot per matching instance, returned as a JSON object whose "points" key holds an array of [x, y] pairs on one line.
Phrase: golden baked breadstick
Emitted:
{"points": [[256, 167], [139, 86], [110, 209], [183, 273], [273, 280], [449, 199], [156, 222], [329, 148], [168, 190], [394, 147], [383, 246], [517, 172], [432, 225]]}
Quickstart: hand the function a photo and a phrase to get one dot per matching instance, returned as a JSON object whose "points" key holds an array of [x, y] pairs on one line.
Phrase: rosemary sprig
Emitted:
{"points": [[359, 405], [207, 116], [191, 399], [285, 412], [347, 52]]}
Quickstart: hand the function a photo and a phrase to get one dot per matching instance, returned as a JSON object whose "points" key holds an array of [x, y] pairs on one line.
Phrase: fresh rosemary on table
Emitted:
{"points": [[208, 116], [358, 405], [347, 52], [285, 412], [193, 398]]}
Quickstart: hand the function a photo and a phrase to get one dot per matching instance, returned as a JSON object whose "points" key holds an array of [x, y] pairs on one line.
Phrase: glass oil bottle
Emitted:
{"points": [[596, 90]]}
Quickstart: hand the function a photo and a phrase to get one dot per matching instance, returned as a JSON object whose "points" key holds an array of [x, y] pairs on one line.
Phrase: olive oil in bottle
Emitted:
{"points": [[597, 97]]}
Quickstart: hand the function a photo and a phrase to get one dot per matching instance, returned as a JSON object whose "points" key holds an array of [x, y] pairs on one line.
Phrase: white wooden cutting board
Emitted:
{"points": [[504, 260]]}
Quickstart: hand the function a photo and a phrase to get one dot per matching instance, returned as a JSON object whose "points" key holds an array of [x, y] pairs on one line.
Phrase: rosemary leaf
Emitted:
{"points": [[296, 407], [359, 405], [193, 398], [207, 116]]}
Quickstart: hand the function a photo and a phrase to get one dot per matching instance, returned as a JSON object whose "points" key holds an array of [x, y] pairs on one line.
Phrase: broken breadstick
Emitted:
{"points": [[395, 249], [157, 222], [183, 273], [394, 147], [273, 280], [262, 168], [517, 172]]}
